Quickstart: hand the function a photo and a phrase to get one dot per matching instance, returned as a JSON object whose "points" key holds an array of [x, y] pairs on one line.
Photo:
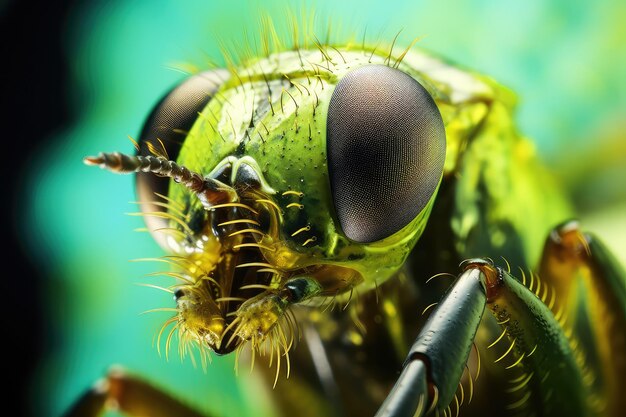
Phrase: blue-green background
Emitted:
{"points": [[565, 59]]}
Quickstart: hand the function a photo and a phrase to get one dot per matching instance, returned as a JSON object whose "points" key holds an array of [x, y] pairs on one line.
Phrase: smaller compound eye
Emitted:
{"points": [[168, 124], [386, 148]]}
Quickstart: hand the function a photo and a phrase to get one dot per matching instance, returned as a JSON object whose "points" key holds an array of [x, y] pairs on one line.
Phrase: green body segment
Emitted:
{"points": [[505, 201]]}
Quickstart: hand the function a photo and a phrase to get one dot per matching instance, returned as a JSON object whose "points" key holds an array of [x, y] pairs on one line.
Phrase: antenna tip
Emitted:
{"points": [[93, 160]]}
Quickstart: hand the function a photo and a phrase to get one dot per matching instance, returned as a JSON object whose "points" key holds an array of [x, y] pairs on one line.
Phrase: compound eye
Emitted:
{"points": [[170, 121], [386, 148]]}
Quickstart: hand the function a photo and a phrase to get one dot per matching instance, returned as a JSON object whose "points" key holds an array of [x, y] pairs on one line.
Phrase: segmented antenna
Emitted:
{"points": [[209, 190]]}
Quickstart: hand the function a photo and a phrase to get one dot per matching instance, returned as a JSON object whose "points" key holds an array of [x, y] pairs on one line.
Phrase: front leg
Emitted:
{"points": [[544, 375], [436, 361]]}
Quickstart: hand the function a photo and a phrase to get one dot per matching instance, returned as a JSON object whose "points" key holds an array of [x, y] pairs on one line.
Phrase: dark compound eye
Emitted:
{"points": [[169, 122], [386, 149]]}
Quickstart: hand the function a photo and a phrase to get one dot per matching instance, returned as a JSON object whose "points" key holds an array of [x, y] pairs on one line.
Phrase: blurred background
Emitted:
{"points": [[82, 76]]}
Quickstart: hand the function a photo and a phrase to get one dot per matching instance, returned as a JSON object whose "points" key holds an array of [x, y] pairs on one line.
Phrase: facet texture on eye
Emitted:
{"points": [[165, 131], [386, 148]]}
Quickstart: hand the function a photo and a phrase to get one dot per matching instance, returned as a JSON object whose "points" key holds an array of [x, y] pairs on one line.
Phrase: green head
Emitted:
{"points": [[319, 170]]}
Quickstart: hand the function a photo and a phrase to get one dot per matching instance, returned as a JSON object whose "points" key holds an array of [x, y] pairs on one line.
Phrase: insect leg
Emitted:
{"points": [[542, 373], [130, 395], [589, 289], [437, 358], [546, 376]]}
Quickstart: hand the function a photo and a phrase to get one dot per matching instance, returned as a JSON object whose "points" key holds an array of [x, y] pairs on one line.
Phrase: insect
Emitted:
{"points": [[327, 196]]}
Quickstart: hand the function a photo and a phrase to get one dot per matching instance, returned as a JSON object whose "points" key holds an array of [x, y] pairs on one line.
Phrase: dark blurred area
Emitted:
{"points": [[35, 105]]}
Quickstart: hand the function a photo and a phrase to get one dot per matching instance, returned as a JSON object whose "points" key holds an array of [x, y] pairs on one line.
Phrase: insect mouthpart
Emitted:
{"points": [[229, 288], [226, 264]]}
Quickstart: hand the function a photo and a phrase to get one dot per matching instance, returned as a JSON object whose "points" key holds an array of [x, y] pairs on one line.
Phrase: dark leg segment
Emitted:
{"points": [[131, 396], [409, 397], [437, 359]]}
